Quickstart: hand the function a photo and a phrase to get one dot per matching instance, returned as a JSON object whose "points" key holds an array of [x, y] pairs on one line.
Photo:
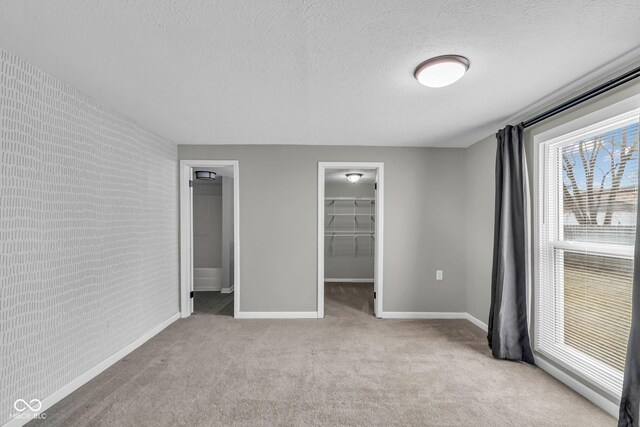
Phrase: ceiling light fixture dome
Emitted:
{"points": [[205, 175], [442, 70], [354, 177]]}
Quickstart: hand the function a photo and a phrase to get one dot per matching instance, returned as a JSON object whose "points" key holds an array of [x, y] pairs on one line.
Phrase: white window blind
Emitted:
{"points": [[588, 192]]}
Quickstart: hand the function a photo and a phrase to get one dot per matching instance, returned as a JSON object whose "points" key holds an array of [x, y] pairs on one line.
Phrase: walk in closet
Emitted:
{"points": [[349, 227]]}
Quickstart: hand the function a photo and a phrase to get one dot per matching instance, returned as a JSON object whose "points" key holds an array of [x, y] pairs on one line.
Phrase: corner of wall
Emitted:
{"points": [[479, 216], [89, 193]]}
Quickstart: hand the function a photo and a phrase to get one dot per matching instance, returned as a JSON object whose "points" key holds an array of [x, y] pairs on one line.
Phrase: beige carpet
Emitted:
{"points": [[347, 369]]}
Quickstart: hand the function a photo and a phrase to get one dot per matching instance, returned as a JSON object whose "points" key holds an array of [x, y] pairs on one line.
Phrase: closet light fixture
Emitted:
{"points": [[205, 175], [442, 70], [354, 177]]}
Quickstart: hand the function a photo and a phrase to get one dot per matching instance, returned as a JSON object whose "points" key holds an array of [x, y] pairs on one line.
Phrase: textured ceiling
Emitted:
{"points": [[317, 72]]}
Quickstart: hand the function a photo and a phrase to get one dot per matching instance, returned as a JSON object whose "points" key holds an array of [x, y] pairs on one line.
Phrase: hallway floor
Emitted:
{"points": [[348, 300], [347, 369], [212, 302]]}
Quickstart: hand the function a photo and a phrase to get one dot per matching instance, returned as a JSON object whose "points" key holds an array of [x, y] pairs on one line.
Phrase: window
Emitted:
{"points": [[588, 193]]}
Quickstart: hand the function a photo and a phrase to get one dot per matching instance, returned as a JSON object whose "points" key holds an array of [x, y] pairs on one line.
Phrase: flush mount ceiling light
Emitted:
{"points": [[205, 175], [354, 177], [442, 70]]}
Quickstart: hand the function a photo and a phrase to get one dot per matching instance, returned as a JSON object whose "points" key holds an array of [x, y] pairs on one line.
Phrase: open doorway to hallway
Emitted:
{"points": [[209, 221], [349, 239], [213, 240]]}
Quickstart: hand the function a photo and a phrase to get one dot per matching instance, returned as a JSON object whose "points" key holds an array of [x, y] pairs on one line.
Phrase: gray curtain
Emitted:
{"points": [[630, 402], [508, 333]]}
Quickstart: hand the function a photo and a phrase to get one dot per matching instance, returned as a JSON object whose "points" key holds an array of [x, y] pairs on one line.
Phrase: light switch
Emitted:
{"points": [[438, 274]]}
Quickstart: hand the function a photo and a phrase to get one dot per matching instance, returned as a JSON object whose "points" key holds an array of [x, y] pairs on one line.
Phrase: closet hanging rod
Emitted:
{"points": [[350, 199]]}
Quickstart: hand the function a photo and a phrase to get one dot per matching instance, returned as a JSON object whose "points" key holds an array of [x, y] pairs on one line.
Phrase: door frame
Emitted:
{"points": [[186, 231], [378, 271]]}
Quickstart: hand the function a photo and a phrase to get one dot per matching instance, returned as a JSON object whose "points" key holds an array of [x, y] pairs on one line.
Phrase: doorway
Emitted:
{"points": [[350, 236], [209, 237]]}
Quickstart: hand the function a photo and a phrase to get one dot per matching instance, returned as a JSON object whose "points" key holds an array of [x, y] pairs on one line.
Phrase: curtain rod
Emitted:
{"points": [[605, 87]]}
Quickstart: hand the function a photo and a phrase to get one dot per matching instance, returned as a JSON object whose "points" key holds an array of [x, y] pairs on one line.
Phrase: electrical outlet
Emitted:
{"points": [[439, 275]]}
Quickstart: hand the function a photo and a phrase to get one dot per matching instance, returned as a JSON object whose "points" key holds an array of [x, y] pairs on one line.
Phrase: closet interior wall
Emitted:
{"points": [[349, 231]]}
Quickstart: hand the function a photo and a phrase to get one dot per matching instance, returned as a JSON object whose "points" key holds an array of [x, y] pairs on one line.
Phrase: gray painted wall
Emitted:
{"points": [[424, 223], [480, 193], [207, 225], [341, 261], [479, 207], [348, 189]]}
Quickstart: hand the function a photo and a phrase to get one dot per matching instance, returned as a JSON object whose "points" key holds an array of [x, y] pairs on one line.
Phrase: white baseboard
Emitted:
{"points": [[433, 315], [597, 399], [207, 285], [75, 384], [422, 315], [227, 290], [277, 315], [207, 279], [479, 323], [602, 402], [348, 280]]}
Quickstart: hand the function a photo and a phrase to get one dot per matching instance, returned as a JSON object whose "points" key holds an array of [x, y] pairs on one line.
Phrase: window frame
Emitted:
{"points": [[548, 241]]}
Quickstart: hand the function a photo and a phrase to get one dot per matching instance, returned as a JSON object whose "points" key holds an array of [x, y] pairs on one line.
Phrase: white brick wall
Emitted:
{"points": [[88, 233]]}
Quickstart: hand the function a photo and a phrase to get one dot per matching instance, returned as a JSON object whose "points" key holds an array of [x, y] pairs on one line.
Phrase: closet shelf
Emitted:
{"points": [[349, 199], [361, 211], [339, 234], [350, 214]]}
